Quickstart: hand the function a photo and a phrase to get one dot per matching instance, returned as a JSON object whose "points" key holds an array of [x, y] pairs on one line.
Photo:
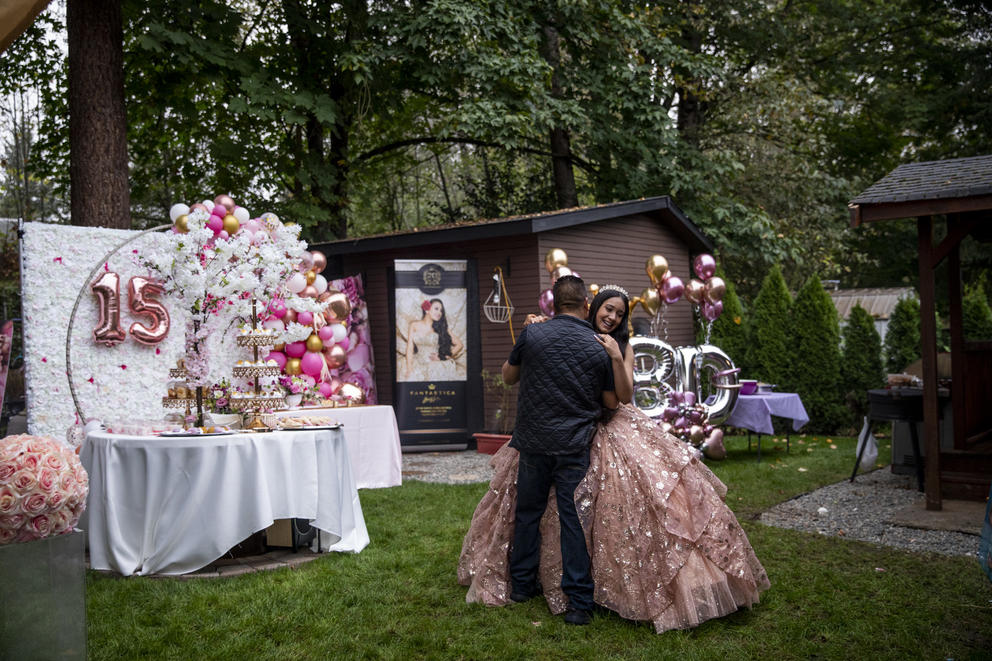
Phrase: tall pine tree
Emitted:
{"points": [[902, 339], [767, 334], [814, 354], [862, 366]]}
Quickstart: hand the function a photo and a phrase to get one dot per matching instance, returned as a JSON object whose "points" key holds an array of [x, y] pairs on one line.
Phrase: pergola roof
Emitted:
{"points": [[957, 185], [879, 302]]}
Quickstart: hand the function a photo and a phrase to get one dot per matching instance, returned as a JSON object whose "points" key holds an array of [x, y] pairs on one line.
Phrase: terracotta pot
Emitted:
{"points": [[487, 443]]}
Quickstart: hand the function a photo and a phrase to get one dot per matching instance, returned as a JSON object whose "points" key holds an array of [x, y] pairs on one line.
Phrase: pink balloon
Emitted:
{"points": [[305, 318], [296, 349], [711, 311], [310, 380], [325, 333], [689, 397], [311, 363], [216, 223], [345, 343], [713, 446], [326, 389], [704, 266], [277, 356], [277, 308], [358, 358], [546, 301], [672, 289], [224, 235]]}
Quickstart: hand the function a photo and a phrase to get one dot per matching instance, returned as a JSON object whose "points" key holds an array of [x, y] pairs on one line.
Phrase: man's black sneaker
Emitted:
{"points": [[521, 597], [578, 617]]}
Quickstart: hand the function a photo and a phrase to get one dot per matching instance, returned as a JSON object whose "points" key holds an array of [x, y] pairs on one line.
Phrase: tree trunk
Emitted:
{"points": [[561, 147], [98, 166], [691, 109]]}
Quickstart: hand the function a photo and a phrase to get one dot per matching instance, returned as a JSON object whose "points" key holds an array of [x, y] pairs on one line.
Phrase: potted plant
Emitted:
{"points": [[500, 424]]}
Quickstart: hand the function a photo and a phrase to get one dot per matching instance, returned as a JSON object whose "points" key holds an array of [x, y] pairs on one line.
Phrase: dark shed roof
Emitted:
{"points": [[957, 185], [662, 206]]}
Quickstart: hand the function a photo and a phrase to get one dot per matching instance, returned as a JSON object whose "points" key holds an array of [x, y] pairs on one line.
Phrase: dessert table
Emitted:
{"points": [[171, 505], [373, 442], [754, 412]]}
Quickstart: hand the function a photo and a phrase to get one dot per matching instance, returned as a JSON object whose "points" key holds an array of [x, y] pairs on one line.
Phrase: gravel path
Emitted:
{"points": [[860, 510]]}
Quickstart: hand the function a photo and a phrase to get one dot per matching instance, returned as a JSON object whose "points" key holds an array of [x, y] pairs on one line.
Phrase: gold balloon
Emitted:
{"points": [[279, 347], [293, 366], [339, 307], [182, 224], [335, 356], [593, 289], [656, 268], [319, 261], [310, 275], [560, 271], [694, 291], [651, 300], [715, 288], [314, 343], [231, 225], [353, 393], [556, 257]]}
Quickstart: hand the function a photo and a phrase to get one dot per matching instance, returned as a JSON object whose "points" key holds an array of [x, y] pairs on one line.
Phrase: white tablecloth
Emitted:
{"points": [[171, 505], [373, 442]]}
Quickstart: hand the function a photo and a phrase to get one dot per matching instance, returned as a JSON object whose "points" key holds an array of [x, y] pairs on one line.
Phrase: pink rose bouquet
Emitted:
{"points": [[43, 488]]}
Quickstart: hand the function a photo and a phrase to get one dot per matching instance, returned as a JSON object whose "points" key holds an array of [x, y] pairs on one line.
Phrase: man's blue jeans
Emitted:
{"points": [[535, 476]]}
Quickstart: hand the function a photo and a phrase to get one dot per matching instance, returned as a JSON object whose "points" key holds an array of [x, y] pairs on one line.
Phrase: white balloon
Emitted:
{"points": [[209, 204], [340, 332], [177, 210], [241, 214], [296, 283], [275, 324], [320, 284]]}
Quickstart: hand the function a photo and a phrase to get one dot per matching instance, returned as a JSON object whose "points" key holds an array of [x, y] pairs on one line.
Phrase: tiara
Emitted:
{"points": [[615, 288]]}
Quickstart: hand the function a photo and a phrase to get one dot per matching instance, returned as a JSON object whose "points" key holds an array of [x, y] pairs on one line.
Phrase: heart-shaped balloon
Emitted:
{"points": [[713, 447]]}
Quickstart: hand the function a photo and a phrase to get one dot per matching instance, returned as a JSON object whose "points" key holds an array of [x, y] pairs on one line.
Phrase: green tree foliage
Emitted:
{"points": [[861, 367], [976, 314], [767, 329], [902, 338], [815, 359]]}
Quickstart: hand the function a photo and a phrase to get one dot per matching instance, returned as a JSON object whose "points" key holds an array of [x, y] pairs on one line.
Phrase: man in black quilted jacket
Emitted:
{"points": [[565, 380]]}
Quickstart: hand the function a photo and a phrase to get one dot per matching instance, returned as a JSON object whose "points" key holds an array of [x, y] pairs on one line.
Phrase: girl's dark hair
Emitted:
{"points": [[441, 328], [621, 334]]}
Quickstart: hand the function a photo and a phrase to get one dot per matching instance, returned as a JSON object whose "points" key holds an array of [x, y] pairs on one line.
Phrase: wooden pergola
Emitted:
{"points": [[958, 191]]}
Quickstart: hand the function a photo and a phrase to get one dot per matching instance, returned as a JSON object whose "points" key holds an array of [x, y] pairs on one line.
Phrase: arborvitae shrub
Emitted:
{"points": [[767, 331], [814, 350], [902, 339], [861, 367], [976, 314]]}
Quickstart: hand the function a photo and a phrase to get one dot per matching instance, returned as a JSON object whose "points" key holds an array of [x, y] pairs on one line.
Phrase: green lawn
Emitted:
{"points": [[398, 599]]}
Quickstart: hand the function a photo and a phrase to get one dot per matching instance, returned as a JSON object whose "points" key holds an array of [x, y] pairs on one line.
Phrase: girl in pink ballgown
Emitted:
{"points": [[664, 546]]}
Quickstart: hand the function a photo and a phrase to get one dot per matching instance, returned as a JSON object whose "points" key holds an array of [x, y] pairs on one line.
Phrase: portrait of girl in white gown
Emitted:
{"points": [[430, 344]]}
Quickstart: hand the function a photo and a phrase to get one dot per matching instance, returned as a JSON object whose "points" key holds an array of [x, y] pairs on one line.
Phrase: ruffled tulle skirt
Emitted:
{"points": [[664, 546]]}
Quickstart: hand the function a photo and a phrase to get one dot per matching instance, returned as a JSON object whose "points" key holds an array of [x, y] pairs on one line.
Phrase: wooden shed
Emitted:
{"points": [[957, 195], [605, 244]]}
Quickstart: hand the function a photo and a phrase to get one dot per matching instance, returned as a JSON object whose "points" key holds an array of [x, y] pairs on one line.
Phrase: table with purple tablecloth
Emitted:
{"points": [[754, 413]]}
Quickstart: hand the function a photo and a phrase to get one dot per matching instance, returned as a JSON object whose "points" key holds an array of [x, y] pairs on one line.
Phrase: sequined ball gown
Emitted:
{"points": [[664, 546]]}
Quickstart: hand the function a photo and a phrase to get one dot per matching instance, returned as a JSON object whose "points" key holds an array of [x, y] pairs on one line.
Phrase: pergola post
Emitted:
{"points": [[928, 347]]}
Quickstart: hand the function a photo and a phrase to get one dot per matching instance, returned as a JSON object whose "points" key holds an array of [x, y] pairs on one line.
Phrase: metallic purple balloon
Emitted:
{"points": [[672, 289], [704, 266], [711, 311], [689, 397], [546, 301]]}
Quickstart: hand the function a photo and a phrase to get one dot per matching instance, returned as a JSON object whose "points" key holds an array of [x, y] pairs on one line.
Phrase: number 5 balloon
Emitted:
{"points": [[141, 293]]}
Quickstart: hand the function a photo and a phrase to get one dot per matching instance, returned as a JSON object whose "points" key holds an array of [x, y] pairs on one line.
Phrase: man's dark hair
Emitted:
{"points": [[570, 294]]}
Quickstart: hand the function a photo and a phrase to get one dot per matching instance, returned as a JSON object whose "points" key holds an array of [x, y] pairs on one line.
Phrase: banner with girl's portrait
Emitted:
{"points": [[431, 357]]}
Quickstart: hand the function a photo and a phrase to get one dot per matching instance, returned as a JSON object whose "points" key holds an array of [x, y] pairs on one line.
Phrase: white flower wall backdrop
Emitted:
{"points": [[125, 381]]}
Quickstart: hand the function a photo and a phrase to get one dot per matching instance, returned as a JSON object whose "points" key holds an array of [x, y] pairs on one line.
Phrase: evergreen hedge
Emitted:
{"points": [[861, 368], [976, 314], [767, 331], [814, 354], [902, 339]]}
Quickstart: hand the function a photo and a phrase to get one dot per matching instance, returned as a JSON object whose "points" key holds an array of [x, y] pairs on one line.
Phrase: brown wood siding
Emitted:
{"points": [[615, 251]]}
